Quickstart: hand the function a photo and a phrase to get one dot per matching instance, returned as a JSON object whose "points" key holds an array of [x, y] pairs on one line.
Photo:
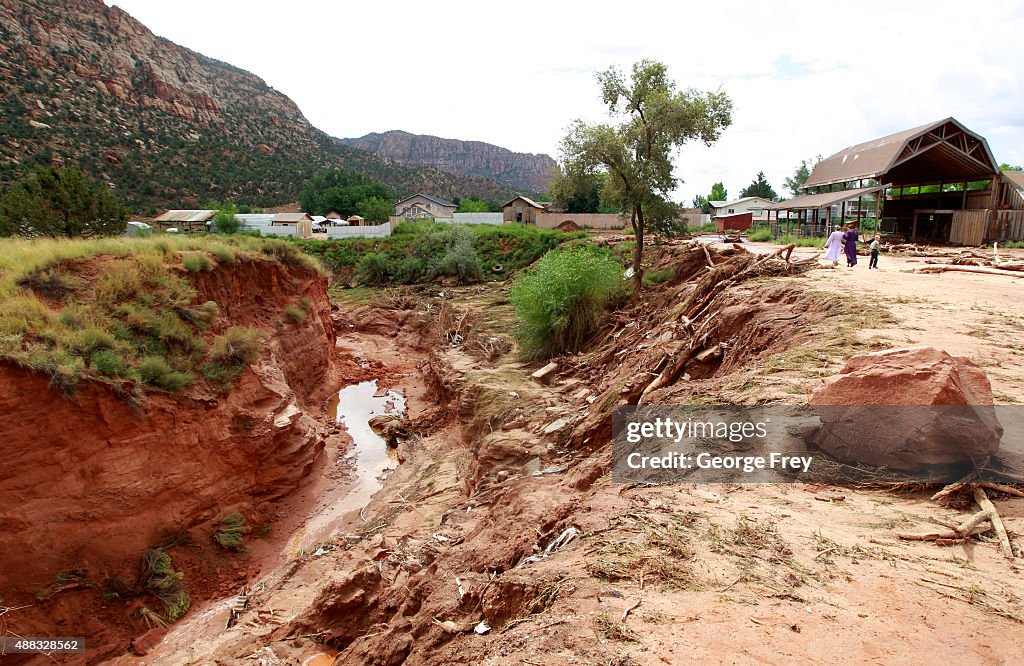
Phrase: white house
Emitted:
{"points": [[754, 205]]}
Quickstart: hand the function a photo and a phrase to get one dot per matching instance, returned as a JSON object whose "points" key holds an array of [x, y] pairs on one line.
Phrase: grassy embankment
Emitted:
{"points": [[121, 310]]}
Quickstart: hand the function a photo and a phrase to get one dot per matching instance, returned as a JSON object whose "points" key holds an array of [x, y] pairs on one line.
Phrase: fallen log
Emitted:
{"points": [[966, 269]]}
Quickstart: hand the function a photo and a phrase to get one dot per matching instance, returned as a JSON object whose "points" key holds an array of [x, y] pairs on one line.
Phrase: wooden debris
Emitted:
{"points": [[707, 255], [941, 268], [975, 523], [544, 373], [997, 523]]}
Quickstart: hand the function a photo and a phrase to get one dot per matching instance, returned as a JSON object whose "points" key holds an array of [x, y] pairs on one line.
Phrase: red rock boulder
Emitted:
{"points": [[907, 410]]}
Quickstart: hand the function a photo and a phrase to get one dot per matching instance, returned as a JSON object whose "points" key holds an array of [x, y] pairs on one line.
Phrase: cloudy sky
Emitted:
{"points": [[805, 77]]}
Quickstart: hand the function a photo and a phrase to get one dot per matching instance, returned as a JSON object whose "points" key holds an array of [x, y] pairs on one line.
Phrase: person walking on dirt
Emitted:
{"points": [[850, 245], [874, 252], [834, 247]]}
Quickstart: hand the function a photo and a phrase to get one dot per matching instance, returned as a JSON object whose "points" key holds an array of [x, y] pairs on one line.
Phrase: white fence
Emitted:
{"points": [[476, 218], [279, 230], [378, 231], [266, 228]]}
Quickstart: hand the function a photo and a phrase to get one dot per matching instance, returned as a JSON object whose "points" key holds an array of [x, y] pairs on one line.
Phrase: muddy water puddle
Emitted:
{"points": [[369, 458]]}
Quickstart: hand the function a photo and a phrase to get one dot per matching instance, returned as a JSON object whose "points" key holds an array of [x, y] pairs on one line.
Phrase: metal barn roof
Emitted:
{"points": [[938, 150]]}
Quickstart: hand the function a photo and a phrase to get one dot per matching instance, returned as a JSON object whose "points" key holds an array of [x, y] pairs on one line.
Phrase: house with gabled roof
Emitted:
{"points": [[754, 205], [424, 206]]}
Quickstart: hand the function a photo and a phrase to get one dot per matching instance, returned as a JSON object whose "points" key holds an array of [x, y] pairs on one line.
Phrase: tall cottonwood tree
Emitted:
{"points": [[654, 120]]}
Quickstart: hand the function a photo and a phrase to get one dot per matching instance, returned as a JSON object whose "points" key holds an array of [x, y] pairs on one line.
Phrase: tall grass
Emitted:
{"points": [[559, 303], [128, 315]]}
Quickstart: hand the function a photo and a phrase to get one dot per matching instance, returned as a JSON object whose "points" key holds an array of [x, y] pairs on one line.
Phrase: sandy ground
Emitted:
{"points": [[735, 574]]}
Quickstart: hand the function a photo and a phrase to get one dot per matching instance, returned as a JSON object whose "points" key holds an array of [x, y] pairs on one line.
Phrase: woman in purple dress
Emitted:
{"points": [[850, 246]]}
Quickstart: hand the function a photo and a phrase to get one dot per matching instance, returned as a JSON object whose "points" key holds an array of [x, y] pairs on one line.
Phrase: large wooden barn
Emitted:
{"points": [[938, 182]]}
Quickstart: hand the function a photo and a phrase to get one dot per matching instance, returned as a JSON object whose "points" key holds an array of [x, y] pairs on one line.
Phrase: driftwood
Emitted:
{"points": [[974, 524], [985, 270], [711, 264], [997, 523], [670, 373]]}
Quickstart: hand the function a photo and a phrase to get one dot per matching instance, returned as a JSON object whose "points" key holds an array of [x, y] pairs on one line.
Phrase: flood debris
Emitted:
{"points": [[544, 374], [559, 542], [974, 525]]}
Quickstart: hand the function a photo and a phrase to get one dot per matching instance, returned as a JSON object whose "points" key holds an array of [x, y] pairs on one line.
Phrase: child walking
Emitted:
{"points": [[874, 253]]}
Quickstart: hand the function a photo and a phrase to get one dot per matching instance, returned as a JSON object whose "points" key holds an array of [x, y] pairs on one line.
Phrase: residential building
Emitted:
{"points": [[424, 206]]}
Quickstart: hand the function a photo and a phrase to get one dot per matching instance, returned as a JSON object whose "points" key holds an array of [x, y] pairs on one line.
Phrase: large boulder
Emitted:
{"points": [[908, 410]]}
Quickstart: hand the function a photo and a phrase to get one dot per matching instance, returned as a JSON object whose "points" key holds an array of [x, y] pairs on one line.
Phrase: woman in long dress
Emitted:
{"points": [[850, 245], [834, 247]]}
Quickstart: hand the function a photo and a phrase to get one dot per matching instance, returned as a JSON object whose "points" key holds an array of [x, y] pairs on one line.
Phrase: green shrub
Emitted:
{"points": [[372, 268], [156, 372], [759, 235], [225, 222], [108, 362], [410, 270], [225, 256], [232, 352], [158, 577], [460, 259], [657, 277], [559, 303], [87, 341], [196, 261], [294, 314], [230, 534], [200, 316]]}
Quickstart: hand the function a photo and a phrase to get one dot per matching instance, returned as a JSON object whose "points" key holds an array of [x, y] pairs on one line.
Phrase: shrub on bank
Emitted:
{"points": [[560, 302], [421, 251]]}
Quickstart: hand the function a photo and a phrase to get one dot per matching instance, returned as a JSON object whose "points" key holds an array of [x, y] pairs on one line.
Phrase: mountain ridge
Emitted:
{"points": [[529, 172], [88, 85]]}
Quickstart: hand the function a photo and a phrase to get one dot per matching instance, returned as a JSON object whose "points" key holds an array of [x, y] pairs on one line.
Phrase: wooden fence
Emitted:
{"points": [[969, 226], [974, 227], [1009, 225]]}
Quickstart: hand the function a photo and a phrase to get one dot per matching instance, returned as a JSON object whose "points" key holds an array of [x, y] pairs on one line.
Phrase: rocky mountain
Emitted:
{"points": [[88, 85], [528, 172]]}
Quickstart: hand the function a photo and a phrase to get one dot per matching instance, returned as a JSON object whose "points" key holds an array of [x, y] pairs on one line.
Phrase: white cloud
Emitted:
{"points": [[806, 77]]}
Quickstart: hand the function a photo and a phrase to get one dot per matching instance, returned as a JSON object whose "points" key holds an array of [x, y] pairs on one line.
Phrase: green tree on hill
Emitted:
{"points": [[60, 202], [341, 190], [654, 121]]}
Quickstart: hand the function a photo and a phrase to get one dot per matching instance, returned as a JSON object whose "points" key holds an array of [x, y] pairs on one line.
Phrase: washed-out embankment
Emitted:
{"points": [[90, 482]]}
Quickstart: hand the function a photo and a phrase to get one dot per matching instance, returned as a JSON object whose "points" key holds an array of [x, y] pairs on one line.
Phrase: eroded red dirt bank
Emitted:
{"points": [[88, 484]]}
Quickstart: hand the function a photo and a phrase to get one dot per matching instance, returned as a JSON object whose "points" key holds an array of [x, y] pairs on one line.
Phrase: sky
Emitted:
{"points": [[806, 78]]}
